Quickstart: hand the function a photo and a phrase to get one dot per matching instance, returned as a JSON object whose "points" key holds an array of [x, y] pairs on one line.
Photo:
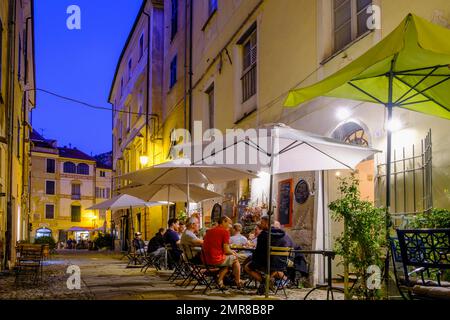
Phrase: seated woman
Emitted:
{"points": [[239, 240]]}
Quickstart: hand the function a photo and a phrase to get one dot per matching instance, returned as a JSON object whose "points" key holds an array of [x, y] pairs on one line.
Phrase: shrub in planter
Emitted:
{"points": [[362, 244], [436, 219], [46, 240]]}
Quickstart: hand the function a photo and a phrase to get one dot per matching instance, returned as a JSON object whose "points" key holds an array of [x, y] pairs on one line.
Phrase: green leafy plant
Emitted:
{"points": [[362, 244], [182, 215], [436, 219], [103, 241], [46, 240]]}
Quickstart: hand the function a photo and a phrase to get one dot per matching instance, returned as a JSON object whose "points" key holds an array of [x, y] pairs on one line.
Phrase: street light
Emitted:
{"points": [[143, 160], [394, 125]]}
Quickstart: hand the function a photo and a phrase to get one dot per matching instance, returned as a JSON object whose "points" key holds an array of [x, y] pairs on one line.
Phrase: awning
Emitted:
{"points": [[80, 229]]}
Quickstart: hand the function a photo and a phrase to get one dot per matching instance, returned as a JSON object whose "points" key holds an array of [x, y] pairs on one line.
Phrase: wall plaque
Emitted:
{"points": [[301, 192]]}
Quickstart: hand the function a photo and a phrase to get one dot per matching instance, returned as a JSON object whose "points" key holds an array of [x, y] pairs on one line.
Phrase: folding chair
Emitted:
{"points": [[179, 267], [207, 275], [284, 253]]}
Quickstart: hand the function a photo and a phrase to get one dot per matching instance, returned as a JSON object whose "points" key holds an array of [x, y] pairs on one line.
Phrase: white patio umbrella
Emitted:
{"points": [[170, 192], [124, 201], [183, 173], [277, 149]]}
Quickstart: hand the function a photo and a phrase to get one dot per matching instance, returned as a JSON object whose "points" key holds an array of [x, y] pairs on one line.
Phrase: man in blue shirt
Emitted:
{"points": [[172, 238]]}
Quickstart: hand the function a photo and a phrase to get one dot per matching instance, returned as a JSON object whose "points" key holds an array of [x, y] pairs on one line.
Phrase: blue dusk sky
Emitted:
{"points": [[79, 64]]}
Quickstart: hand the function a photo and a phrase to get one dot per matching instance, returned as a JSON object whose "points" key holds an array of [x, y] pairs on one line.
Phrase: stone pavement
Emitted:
{"points": [[105, 277]]}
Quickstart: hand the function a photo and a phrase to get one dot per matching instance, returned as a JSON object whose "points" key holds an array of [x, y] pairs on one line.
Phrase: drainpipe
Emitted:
{"points": [[10, 127], [191, 15], [154, 117]]}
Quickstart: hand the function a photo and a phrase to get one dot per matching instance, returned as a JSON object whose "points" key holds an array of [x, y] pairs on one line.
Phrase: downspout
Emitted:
{"points": [[191, 14], [185, 71], [148, 115], [26, 133], [113, 171], [10, 127]]}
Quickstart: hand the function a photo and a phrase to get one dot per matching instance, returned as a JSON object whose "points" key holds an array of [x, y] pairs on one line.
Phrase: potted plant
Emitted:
{"points": [[362, 243]]}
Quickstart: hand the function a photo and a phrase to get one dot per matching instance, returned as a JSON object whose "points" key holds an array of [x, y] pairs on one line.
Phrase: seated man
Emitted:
{"points": [[217, 252], [156, 247], [238, 238], [172, 238], [139, 244], [289, 242], [190, 240], [258, 263]]}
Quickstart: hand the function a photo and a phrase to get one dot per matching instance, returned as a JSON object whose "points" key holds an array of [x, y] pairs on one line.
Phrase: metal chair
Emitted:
{"points": [[29, 263], [428, 253]]}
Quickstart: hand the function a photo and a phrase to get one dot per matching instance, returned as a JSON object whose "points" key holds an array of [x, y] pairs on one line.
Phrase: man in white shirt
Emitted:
{"points": [[238, 238], [191, 244]]}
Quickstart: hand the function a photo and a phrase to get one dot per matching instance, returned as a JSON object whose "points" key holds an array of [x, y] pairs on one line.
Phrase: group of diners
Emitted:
{"points": [[224, 247]]}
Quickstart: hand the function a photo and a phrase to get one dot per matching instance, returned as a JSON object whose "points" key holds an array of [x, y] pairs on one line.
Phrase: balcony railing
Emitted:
{"points": [[249, 83], [76, 196]]}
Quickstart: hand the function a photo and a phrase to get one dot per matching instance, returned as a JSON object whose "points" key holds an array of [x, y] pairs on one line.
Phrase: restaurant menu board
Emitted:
{"points": [[285, 195]]}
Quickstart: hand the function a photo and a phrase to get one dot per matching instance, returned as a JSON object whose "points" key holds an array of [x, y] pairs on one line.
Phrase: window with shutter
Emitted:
{"points": [[174, 19], [49, 211], [350, 21], [75, 212], [50, 187], [249, 67], [50, 166], [173, 72], [76, 191]]}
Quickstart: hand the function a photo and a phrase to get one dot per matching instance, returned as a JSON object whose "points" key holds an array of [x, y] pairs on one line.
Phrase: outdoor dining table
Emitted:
{"points": [[241, 248], [330, 255]]}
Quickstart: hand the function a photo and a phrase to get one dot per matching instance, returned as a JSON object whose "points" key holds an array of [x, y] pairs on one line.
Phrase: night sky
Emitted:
{"points": [[79, 64]]}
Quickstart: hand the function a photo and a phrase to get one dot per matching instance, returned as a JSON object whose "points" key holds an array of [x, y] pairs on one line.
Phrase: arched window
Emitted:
{"points": [[69, 167], [83, 168], [352, 133], [43, 232]]}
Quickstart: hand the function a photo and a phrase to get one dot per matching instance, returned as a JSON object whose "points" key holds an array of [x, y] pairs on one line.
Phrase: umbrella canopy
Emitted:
{"points": [[80, 229], [292, 150], [122, 201], [169, 192], [409, 68], [182, 173]]}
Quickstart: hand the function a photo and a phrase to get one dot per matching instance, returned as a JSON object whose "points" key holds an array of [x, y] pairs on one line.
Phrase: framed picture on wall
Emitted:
{"points": [[285, 202]]}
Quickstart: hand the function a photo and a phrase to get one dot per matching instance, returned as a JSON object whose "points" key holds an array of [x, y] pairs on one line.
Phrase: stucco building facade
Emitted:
{"points": [[65, 182], [240, 58]]}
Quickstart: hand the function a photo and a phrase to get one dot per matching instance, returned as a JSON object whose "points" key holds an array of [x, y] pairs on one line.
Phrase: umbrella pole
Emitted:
{"points": [[390, 106], [270, 219], [168, 205], [187, 193], [132, 223]]}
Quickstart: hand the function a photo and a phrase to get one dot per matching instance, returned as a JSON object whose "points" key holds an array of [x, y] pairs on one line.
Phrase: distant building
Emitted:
{"points": [[64, 183]]}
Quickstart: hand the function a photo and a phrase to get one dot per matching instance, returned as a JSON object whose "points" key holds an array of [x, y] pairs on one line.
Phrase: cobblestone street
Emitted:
{"points": [[105, 277]]}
